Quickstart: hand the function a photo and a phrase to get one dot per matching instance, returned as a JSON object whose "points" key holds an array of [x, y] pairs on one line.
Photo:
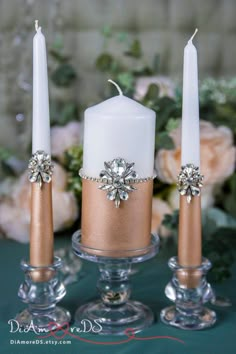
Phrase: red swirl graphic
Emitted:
{"points": [[129, 332]]}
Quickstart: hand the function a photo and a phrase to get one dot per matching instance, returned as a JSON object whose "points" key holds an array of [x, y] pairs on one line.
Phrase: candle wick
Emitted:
{"points": [[36, 25], [117, 86], [195, 32]]}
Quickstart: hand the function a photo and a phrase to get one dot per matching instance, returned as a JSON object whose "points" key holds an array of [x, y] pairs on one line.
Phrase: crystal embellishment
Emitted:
{"points": [[117, 179], [40, 168], [190, 181]]}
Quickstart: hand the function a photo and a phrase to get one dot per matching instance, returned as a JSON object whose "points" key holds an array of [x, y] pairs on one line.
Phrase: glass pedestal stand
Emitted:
{"points": [[188, 311], [42, 289], [114, 311]]}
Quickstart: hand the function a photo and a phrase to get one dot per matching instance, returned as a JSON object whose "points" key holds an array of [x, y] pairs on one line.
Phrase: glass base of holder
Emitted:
{"points": [[41, 290], [115, 321], [189, 290], [114, 312], [206, 318], [58, 318]]}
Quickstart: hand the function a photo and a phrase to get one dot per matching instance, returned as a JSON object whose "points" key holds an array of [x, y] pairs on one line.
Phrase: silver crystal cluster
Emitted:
{"points": [[190, 181], [40, 168], [117, 179]]}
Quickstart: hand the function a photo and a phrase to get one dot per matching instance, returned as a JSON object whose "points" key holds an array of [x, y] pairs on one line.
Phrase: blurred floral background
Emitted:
{"points": [[139, 44]]}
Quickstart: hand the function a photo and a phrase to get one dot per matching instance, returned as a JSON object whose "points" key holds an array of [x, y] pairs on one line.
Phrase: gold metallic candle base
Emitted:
{"points": [[41, 229], [189, 278], [190, 240], [107, 228]]}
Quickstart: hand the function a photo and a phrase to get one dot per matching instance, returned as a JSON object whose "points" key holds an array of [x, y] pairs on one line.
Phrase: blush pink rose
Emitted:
{"points": [[218, 155]]}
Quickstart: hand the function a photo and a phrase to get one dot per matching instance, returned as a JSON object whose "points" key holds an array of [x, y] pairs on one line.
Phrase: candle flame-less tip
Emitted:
{"points": [[117, 86], [195, 32], [36, 23]]}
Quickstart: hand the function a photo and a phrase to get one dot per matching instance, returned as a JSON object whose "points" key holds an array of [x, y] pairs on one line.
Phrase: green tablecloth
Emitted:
{"points": [[148, 287]]}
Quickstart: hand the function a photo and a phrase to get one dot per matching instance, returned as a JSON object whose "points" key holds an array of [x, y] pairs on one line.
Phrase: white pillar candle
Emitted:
{"points": [[119, 127], [41, 121], [190, 110]]}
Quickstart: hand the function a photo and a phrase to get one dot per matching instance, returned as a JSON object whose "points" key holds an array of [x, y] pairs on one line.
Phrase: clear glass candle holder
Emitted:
{"points": [[41, 290], [189, 311], [114, 310]]}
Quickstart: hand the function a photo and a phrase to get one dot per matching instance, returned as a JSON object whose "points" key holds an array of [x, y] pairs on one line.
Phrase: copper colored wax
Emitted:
{"points": [[115, 231], [190, 240], [41, 229]]}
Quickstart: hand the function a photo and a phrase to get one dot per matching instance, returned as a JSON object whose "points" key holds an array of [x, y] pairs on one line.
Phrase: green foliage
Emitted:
{"points": [[171, 222], [156, 63], [218, 102], [5, 169], [62, 113], [228, 195], [219, 231], [219, 241], [117, 68], [4, 154], [164, 141], [165, 108], [11, 164], [172, 124], [63, 75], [105, 62], [215, 218], [135, 50], [126, 80], [58, 56], [219, 250], [73, 163], [152, 94]]}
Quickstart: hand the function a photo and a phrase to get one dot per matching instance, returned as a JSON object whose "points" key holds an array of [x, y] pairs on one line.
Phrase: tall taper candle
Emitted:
{"points": [[41, 123], [190, 107], [189, 239], [41, 228]]}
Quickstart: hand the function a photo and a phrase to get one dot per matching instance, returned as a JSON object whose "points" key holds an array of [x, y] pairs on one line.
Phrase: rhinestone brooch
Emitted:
{"points": [[40, 168], [117, 179], [190, 181]]}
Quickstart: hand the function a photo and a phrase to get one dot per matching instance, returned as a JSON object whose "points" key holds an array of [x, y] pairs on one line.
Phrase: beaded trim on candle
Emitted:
{"points": [[117, 179], [94, 179], [190, 181], [40, 168]]}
